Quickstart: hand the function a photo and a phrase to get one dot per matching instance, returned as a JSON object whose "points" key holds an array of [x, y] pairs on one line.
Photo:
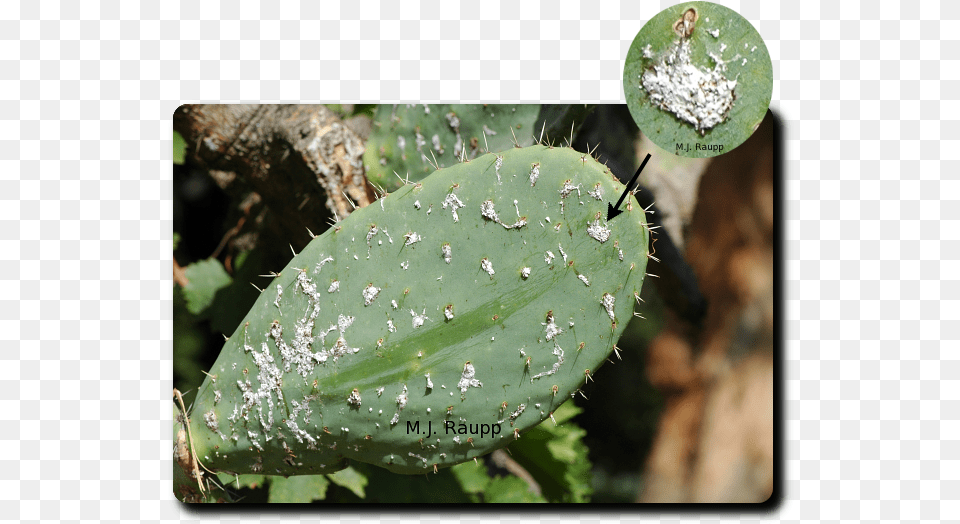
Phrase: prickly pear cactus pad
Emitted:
{"points": [[432, 326], [409, 139]]}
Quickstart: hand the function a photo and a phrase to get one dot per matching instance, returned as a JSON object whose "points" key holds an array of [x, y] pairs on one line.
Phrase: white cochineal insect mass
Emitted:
{"points": [[695, 94]]}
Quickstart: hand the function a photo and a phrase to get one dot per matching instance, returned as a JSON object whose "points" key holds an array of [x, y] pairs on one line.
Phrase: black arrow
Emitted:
{"points": [[612, 210]]}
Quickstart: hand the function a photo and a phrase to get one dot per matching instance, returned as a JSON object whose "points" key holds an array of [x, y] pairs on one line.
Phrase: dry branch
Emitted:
{"points": [[301, 159]]}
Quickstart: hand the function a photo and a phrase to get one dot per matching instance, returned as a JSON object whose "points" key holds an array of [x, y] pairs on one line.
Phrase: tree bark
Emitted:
{"points": [[300, 159], [715, 442]]}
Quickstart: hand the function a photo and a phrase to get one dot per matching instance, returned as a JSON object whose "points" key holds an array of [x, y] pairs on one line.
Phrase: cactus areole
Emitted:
{"points": [[430, 327]]}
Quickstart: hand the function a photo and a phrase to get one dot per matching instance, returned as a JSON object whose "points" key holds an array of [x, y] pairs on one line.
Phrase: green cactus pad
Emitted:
{"points": [[410, 139], [470, 305]]}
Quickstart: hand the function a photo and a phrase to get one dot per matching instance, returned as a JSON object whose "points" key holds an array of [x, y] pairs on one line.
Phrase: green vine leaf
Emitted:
{"points": [[232, 302], [510, 489], [179, 149], [557, 457], [242, 481], [205, 278], [391, 488], [298, 489], [351, 479], [472, 477]]}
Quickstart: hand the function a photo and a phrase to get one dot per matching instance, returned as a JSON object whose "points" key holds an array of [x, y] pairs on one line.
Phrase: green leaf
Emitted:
{"points": [[298, 489], [471, 476], [364, 109], [179, 149], [242, 481], [563, 414], [176, 240], [556, 457], [508, 490], [232, 302], [351, 479], [188, 345], [754, 77], [391, 488], [204, 278]]}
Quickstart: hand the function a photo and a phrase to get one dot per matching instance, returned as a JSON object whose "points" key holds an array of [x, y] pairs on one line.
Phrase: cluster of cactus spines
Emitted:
{"points": [[414, 140], [416, 341]]}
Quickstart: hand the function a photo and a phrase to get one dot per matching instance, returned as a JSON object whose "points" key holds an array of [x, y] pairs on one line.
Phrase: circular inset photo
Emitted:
{"points": [[698, 79]]}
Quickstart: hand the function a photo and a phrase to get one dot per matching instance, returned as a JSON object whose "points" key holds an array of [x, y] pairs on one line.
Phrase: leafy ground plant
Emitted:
{"points": [[430, 328], [698, 79]]}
